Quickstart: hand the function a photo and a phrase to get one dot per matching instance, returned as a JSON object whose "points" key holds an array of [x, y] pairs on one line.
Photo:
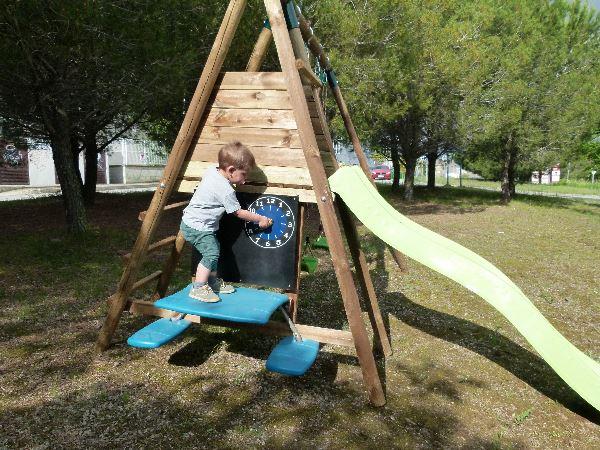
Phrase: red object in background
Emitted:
{"points": [[381, 173]]}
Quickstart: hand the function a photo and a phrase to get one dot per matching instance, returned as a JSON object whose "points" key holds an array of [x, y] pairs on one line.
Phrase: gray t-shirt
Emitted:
{"points": [[213, 198]]}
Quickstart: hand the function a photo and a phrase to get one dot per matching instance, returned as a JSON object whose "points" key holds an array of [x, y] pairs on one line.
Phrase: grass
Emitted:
{"points": [[460, 375], [563, 187]]}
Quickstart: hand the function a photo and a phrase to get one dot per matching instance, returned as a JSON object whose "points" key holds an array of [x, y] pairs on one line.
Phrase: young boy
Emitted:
{"points": [[214, 197]]}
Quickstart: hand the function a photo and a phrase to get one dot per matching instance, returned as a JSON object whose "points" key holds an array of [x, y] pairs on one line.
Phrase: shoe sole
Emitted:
{"points": [[227, 291], [206, 300]]}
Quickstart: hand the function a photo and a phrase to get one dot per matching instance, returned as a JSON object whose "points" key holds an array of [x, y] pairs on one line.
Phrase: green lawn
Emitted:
{"points": [[460, 376], [564, 187]]}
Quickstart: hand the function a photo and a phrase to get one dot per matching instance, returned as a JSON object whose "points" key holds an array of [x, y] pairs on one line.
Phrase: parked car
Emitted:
{"points": [[381, 173]]}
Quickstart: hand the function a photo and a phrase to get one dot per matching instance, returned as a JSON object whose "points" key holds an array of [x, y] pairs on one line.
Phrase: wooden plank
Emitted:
{"points": [[187, 131], [252, 80], [324, 335], [144, 281], [264, 156], [169, 267], [142, 214], [252, 99], [256, 137], [251, 118], [154, 247], [257, 99], [307, 75], [325, 203], [296, 176], [304, 195]]}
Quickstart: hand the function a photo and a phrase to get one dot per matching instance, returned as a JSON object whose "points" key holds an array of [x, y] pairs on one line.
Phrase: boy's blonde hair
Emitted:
{"points": [[237, 155]]}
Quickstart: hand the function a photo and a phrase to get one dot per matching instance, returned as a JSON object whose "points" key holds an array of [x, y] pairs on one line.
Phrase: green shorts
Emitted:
{"points": [[206, 243]]}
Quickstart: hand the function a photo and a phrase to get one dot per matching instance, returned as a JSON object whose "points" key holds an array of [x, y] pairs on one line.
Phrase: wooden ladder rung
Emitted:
{"points": [[144, 281], [153, 247], [142, 214]]}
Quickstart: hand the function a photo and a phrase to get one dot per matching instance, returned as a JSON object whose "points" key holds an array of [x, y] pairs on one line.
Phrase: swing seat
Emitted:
{"points": [[245, 305], [292, 357], [158, 333]]}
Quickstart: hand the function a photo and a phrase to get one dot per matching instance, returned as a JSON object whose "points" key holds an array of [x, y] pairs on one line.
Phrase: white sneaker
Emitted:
{"points": [[204, 293]]}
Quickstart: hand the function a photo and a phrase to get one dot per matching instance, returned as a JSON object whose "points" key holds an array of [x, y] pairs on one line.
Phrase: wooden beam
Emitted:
{"points": [[323, 335], [260, 50], [142, 214], [153, 247], [317, 50], [144, 281], [169, 267], [188, 130], [325, 202], [358, 257], [307, 75]]}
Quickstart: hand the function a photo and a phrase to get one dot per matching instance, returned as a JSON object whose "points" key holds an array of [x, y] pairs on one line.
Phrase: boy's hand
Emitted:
{"points": [[265, 222]]}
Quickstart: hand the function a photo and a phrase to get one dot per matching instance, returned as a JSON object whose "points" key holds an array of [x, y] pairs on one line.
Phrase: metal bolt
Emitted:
{"points": [[323, 199], [162, 185]]}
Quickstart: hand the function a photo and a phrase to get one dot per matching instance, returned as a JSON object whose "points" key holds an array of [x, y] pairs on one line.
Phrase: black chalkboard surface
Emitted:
{"points": [[261, 257]]}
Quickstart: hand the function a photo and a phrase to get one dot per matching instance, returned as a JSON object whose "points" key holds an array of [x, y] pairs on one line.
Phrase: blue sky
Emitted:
{"points": [[595, 3]]}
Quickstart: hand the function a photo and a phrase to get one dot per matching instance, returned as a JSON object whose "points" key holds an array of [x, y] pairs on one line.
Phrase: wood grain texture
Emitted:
{"points": [[264, 156], [305, 195], [261, 174]]}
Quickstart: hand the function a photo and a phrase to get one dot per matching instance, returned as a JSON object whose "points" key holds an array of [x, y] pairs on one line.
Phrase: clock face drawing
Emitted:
{"points": [[284, 224]]}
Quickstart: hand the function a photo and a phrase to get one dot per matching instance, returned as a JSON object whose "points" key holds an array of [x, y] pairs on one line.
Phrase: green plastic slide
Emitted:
{"points": [[473, 272]]}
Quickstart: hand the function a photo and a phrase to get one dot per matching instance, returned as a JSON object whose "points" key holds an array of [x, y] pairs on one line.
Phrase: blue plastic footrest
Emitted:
{"points": [[244, 305], [158, 333], [291, 357]]}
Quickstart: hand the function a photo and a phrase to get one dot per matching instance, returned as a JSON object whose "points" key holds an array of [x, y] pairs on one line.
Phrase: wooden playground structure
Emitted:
{"points": [[280, 117]]}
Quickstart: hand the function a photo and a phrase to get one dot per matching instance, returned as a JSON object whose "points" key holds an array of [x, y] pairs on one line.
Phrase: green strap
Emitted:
{"points": [[290, 15], [331, 78]]}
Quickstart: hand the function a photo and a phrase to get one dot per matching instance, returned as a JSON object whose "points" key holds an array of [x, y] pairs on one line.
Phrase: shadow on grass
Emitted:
{"points": [[272, 412], [492, 345]]}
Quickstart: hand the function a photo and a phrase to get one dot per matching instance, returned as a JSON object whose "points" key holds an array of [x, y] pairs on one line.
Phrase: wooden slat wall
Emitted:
{"points": [[255, 108]]}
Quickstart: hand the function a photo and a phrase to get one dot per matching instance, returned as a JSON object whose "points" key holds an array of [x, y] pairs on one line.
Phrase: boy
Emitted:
{"points": [[214, 197]]}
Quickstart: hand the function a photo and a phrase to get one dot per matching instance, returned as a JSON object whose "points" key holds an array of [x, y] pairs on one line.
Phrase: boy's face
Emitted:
{"points": [[236, 176]]}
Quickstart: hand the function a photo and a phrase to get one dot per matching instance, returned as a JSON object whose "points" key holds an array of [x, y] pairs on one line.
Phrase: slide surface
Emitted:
{"points": [[473, 272]]}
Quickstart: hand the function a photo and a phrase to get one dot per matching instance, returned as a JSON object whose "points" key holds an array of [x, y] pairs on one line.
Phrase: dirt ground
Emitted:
{"points": [[460, 375]]}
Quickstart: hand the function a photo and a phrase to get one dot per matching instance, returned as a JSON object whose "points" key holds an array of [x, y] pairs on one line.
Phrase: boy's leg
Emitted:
{"points": [[201, 240]]}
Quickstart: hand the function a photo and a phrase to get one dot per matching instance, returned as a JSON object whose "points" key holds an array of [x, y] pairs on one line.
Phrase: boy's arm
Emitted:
{"points": [[248, 216]]}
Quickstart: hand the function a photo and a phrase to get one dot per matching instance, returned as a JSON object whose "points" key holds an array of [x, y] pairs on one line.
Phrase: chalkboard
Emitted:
{"points": [[260, 257]]}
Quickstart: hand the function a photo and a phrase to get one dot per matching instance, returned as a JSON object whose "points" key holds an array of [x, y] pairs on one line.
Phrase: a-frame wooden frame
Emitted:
{"points": [[181, 164]]}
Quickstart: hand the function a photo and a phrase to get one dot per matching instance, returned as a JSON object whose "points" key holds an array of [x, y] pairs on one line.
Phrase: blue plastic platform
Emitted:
{"points": [[291, 357], [245, 305], [158, 333]]}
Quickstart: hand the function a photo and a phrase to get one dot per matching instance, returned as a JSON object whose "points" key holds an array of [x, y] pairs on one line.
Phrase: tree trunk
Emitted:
{"points": [[68, 176], [409, 178], [508, 175], [431, 160], [396, 167], [91, 168]]}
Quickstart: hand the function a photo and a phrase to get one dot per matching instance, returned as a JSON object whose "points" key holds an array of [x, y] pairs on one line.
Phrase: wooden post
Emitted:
{"points": [[318, 52], [169, 267], [358, 256], [176, 158], [325, 202], [260, 50]]}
